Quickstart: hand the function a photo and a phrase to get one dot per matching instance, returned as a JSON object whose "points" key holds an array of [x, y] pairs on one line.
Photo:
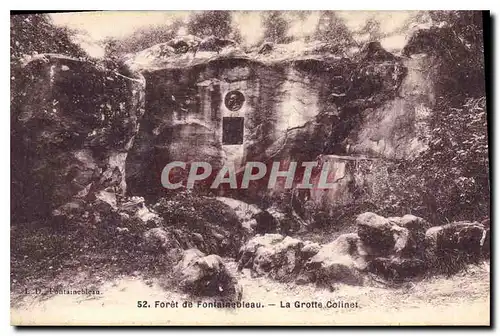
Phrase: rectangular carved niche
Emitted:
{"points": [[232, 130]]}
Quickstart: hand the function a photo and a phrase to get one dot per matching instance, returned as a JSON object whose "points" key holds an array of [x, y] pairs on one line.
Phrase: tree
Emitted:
{"points": [[332, 29], [275, 27], [456, 40], [213, 23], [143, 38], [111, 47], [372, 27], [449, 181], [36, 33]]}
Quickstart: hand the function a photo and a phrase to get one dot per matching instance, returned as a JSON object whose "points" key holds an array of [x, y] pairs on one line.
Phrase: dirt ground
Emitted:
{"points": [[462, 299]]}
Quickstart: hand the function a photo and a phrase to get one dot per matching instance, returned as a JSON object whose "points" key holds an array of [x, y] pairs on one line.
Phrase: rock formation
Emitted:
{"points": [[202, 275], [71, 133], [273, 255], [89, 145], [278, 106], [395, 249], [207, 100]]}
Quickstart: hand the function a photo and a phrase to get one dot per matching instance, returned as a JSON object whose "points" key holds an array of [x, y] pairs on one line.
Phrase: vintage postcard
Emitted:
{"points": [[319, 168]]}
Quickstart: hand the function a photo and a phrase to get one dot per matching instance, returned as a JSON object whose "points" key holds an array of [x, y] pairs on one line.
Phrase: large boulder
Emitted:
{"points": [[341, 261], [202, 275], [417, 226], [381, 236], [393, 236], [72, 126], [395, 245], [272, 255], [246, 212], [375, 231], [310, 249], [160, 240], [189, 104], [453, 244]]}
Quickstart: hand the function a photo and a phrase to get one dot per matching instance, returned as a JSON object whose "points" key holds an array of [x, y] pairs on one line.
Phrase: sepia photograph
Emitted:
{"points": [[250, 168]]}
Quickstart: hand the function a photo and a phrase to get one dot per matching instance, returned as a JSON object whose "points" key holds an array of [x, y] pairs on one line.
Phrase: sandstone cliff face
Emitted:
{"points": [[71, 132], [399, 127], [291, 107], [206, 100]]}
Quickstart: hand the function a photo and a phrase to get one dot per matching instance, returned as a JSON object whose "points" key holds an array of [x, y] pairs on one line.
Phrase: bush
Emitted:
{"points": [[450, 180], [210, 225]]}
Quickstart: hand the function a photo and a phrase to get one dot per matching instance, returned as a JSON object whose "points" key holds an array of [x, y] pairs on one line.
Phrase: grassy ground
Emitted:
{"points": [[44, 258], [124, 274], [462, 299]]}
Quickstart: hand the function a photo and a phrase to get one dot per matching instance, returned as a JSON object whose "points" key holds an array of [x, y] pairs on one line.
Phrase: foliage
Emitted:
{"points": [[201, 24], [192, 210], [454, 171], [86, 241], [373, 29], [462, 54], [449, 181], [35, 33], [275, 27], [213, 23], [332, 29], [456, 41], [141, 39]]}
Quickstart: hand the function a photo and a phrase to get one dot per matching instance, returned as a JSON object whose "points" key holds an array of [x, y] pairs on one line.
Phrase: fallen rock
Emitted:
{"points": [[246, 212], [415, 246], [380, 236], [136, 206], [272, 255], [411, 222], [341, 261], [247, 252], [375, 231], [203, 275], [310, 249], [340, 271], [158, 239], [462, 236], [449, 246], [394, 236]]}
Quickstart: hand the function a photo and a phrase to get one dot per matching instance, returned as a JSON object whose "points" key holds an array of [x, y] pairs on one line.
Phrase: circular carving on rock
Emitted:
{"points": [[234, 100]]}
